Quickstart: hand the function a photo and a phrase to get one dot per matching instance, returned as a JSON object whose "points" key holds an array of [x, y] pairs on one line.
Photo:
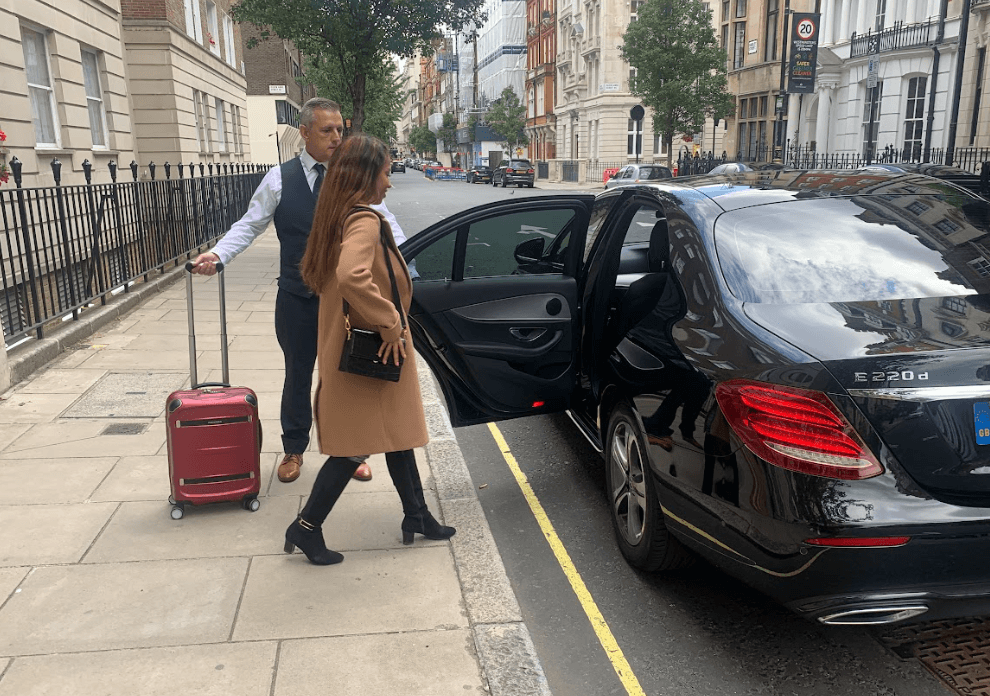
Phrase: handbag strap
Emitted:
{"points": [[391, 277]]}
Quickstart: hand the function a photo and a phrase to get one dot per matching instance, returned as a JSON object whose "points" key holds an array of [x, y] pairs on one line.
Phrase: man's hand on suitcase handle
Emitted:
{"points": [[205, 264]]}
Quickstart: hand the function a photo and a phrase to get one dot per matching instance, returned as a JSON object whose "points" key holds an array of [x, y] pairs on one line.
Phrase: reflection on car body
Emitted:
{"points": [[709, 336], [637, 174]]}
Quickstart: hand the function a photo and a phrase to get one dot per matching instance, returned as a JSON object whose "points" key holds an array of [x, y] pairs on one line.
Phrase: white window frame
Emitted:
{"points": [[56, 142], [634, 138], [228, 40], [212, 28], [203, 121], [194, 20], [914, 123], [235, 128], [97, 100], [221, 124], [868, 104]]}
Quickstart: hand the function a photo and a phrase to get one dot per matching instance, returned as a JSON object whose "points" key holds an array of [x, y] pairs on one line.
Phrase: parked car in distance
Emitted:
{"points": [[398, 166], [731, 168], [638, 174], [480, 174], [514, 171], [787, 376]]}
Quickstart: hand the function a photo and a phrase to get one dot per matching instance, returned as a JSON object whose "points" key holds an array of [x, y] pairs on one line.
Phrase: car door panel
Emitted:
{"points": [[500, 355], [503, 345]]}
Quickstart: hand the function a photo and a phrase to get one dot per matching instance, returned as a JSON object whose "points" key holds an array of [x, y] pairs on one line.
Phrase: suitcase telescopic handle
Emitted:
{"points": [[224, 362]]}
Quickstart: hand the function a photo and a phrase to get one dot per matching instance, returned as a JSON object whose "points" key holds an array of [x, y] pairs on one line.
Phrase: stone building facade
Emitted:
{"points": [[64, 88]]}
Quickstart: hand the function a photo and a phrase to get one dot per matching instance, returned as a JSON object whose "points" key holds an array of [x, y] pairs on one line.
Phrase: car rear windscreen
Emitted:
{"points": [[856, 249], [651, 173]]}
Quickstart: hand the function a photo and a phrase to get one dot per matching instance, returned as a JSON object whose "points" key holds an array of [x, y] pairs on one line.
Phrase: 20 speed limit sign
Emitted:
{"points": [[806, 29]]}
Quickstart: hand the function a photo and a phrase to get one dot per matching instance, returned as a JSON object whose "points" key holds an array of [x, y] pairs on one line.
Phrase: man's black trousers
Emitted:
{"points": [[296, 326]]}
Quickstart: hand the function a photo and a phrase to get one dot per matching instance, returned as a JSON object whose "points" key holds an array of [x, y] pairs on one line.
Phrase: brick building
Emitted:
{"points": [[541, 51], [273, 68]]}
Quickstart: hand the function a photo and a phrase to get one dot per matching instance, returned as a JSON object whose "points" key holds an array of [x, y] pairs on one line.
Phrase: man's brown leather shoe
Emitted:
{"points": [[288, 470]]}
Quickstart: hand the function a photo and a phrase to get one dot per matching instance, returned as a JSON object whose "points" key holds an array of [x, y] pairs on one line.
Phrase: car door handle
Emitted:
{"points": [[501, 351], [527, 334]]}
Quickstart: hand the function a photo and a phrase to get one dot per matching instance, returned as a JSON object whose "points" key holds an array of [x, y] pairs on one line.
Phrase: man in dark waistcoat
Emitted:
{"points": [[287, 195]]}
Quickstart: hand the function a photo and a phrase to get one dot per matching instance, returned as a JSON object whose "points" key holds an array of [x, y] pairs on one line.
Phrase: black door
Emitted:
{"points": [[495, 308]]}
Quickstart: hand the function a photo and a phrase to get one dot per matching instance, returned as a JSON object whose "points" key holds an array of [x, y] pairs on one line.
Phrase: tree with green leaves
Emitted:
{"points": [[448, 133], [680, 68], [384, 95], [421, 138], [359, 36], [507, 117]]}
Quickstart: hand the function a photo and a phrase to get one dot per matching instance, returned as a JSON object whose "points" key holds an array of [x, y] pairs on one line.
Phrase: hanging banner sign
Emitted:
{"points": [[804, 52]]}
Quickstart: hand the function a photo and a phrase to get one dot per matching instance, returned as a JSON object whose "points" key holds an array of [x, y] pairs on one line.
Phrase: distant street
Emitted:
{"points": [[693, 632]]}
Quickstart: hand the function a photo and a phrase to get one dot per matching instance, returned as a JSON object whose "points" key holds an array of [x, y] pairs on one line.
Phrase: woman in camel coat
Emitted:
{"points": [[356, 415]]}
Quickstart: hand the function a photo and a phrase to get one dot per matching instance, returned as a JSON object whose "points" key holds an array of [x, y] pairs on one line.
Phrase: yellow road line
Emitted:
{"points": [[605, 637]]}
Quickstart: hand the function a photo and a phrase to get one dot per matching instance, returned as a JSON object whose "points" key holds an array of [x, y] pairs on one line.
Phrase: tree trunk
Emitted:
{"points": [[358, 94], [668, 139]]}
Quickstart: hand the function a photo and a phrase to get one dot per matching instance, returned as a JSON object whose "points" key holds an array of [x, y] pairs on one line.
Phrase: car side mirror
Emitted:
{"points": [[530, 251]]}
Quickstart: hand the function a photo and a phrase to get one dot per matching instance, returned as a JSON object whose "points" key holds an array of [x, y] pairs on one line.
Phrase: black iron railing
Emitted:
{"points": [[64, 247], [970, 159], [569, 170], [896, 37]]}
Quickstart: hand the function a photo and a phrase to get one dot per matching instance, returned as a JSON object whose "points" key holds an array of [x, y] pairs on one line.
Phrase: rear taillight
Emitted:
{"points": [[510, 170], [529, 171], [795, 429]]}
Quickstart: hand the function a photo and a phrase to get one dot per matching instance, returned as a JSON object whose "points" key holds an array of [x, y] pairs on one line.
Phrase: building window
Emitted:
{"points": [[725, 10], [221, 125], [235, 126], [634, 6], [228, 41], [773, 19], [634, 138], [739, 50], [212, 27], [946, 226], [871, 118], [955, 304], [740, 8], [752, 119], [203, 132], [981, 266], [914, 119], [981, 59], [94, 99], [917, 207], [39, 79], [881, 15], [194, 20]]}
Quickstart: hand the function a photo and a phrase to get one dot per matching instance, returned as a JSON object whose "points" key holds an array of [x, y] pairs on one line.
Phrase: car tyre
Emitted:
{"points": [[634, 507], [531, 185], [505, 184]]}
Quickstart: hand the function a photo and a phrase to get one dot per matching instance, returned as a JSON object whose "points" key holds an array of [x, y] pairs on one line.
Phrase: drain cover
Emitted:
{"points": [[124, 429], [127, 395], [957, 652]]}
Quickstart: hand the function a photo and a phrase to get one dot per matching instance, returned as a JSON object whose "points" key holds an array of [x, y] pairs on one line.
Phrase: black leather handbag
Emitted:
{"points": [[361, 346]]}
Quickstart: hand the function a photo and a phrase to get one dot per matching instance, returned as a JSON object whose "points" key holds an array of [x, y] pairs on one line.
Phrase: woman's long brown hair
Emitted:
{"points": [[350, 179]]}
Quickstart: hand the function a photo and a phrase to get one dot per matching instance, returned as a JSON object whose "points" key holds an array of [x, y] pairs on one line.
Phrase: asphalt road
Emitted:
{"points": [[692, 632]]}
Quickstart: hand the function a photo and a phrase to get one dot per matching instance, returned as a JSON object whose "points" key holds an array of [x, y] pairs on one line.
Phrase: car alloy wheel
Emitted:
{"points": [[637, 518]]}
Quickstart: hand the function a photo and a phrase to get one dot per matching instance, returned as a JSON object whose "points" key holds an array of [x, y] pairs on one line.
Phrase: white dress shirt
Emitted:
{"points": [[261, 210]]}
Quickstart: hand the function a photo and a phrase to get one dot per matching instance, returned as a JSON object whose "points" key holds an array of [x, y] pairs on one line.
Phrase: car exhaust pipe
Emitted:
{"points": [[872, 616]]}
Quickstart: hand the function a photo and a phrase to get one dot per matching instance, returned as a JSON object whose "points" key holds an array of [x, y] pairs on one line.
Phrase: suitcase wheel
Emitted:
{"points": [[251, 504], [177, 512]]}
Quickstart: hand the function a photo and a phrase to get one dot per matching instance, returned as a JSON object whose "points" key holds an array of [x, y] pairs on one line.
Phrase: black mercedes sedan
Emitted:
{"points": [[786, 373]]}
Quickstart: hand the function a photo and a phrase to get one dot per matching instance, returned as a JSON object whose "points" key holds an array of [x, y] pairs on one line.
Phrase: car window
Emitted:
{"points": [[521, 163], [492, 242], [855, 249], [652, 173], [436, 262], [626, 173]]}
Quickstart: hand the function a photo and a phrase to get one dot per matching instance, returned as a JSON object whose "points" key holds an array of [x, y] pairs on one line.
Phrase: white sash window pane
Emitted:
{"points": [[39, 87], [221, 127], [94, 99], [228, 39]]}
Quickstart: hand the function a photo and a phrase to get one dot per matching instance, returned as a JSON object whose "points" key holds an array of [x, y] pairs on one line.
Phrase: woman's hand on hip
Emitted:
{"points": [[394, 351]]}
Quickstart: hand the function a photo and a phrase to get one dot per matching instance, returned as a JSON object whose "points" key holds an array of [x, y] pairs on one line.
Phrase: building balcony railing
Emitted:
{"points": [[897, 37]]}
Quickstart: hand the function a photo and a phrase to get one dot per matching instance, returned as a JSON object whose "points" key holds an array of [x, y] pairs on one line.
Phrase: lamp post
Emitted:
{"points": [[278, 145]]}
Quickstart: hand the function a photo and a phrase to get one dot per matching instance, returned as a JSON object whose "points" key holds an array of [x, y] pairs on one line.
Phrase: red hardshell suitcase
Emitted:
{"points": [[214, 433]]}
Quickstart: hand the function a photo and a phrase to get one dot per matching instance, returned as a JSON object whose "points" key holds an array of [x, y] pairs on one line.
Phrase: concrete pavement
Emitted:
{"points": [[102, 592]]}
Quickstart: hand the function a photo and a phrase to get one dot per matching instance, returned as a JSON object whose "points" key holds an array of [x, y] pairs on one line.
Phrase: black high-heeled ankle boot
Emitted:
{"points": [[425, 524], [309, 539]]}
